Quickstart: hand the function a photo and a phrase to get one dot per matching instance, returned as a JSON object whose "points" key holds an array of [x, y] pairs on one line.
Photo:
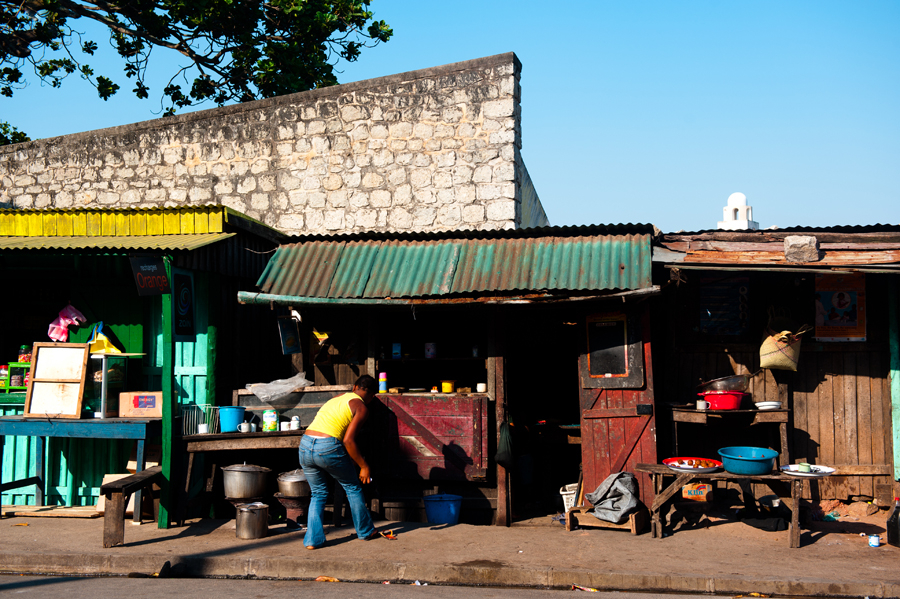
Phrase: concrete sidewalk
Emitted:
{"points": [[714, 556]]}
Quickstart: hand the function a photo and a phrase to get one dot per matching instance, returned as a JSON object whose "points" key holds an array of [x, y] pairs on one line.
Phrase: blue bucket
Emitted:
{"points": [[442, 508], [230, 417]]}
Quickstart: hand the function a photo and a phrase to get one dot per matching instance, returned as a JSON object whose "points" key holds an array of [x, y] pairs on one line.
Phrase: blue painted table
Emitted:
{"points": [[110, 428]]}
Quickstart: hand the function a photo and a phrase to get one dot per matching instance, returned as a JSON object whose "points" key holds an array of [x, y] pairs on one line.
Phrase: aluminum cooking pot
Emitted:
{"points": [[293, 484], [245, 481]]}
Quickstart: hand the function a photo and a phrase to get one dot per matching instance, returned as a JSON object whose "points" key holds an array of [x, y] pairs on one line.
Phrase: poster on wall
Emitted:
{"points": [[841, 307], [289, 335]]}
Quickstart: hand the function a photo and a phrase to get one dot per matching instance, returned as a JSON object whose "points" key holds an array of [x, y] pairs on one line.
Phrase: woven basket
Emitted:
{"points": [[781, 351]]}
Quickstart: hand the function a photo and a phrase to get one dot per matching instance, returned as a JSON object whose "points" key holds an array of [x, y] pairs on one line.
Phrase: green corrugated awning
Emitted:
{"points": [[402, 268], [134, 242]]}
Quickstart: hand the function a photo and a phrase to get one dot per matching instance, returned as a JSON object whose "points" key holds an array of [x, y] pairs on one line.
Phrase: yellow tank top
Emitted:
{"points": [[334, 417]]}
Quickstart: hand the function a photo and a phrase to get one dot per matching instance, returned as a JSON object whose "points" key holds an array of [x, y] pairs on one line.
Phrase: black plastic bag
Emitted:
{"points": [[504, 455]]}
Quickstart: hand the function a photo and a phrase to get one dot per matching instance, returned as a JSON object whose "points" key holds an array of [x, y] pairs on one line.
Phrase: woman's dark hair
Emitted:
{"points": [[368, 383]]}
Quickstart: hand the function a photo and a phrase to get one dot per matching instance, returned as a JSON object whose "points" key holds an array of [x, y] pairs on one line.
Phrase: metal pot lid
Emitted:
{"points": [[250, 507], [246, 468], [292, 476]]}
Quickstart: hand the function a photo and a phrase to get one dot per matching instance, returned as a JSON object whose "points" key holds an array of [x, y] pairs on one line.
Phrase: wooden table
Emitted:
{"points": [[139, 429], [693, 415], [231, 442], [663, 493]]}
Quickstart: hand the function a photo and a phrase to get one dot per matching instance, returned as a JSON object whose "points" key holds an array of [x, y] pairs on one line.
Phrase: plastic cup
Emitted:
{"points": [[202, 429]]}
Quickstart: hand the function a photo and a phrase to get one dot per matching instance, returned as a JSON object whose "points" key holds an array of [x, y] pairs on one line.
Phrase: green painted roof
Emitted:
{"points": [[462, 264]]}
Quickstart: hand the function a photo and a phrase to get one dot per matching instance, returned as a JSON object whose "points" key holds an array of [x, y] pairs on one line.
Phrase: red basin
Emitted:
{"points": [[723, 400]]}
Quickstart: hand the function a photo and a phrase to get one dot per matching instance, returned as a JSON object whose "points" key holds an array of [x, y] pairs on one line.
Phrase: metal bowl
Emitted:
{"points": [[737, 382]]}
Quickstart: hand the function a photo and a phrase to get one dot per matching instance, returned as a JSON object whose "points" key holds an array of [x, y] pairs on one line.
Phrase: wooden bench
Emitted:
{"points": [[117, 494], [580, 516]]}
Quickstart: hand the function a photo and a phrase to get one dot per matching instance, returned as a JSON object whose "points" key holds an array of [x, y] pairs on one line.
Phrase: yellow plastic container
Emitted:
{"points": [[448, 386]]}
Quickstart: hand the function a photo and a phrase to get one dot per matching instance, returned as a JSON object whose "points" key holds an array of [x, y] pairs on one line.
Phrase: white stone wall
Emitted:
{"points": [[428, 150]]}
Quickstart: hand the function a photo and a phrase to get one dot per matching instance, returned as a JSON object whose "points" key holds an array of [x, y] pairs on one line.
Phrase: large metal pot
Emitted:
{"points": [[293, 484], [252, 521], [245, 481]]}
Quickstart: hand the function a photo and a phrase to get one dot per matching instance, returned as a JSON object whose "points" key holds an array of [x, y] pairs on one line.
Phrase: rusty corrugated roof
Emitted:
{"points": [[112, 242], [401, 267]]}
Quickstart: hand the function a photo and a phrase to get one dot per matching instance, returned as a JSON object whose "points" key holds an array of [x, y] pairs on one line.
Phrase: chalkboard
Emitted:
{"points": [[608, 347], [57, 380]]}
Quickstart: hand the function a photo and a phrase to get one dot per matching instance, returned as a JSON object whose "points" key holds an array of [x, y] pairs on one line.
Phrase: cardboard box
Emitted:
{"points": [[697, 492], [140, 404]]}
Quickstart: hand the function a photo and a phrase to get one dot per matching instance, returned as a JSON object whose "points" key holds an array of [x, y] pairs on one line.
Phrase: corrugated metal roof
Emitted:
{"points": [[134, 242], [381, 268], [852, 229], [524, 233]]}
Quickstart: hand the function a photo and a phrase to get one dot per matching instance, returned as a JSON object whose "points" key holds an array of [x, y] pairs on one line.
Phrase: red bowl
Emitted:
{"points": [[723, 400]]}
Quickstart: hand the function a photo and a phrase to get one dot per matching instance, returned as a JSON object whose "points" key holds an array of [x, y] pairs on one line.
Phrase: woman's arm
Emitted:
{"points": [[360, 413]]}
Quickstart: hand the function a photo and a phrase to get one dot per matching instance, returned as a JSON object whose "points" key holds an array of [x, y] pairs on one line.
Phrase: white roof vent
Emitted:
{"points": [[738, 215]]}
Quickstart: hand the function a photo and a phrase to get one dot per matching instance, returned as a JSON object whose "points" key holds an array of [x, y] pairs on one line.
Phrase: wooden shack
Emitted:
{"points": [[521, 311], [84, 256], [721, 289]]}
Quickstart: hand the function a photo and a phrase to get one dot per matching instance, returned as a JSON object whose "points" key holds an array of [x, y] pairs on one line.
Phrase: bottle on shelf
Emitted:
{"points": [[4, 372], [893, 524], [24, 354]]}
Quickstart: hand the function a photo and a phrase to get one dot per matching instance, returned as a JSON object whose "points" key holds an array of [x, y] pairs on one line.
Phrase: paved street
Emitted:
{"points": [[67, 587]]}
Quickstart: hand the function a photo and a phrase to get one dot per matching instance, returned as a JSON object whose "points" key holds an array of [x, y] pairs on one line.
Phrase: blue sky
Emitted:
{"points": [[646, 111]]}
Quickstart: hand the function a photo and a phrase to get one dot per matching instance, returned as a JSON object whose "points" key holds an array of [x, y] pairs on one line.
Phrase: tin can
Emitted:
{"points": [[270, 421], [874, 541]]}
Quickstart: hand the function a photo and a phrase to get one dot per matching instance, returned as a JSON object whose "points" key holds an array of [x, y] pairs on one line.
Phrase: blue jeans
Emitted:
{"points": [[322, 456]]}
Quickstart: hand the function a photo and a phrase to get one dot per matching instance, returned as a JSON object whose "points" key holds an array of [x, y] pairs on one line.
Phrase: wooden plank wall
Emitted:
{"points": [[841, 411]]}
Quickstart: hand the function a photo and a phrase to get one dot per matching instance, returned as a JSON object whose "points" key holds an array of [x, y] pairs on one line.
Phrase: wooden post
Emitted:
{"points": [[894, 341], [497, 390], [168, 407]]}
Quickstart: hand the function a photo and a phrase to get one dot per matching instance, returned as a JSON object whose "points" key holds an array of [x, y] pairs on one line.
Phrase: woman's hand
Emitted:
{"points": [[364, 477]]}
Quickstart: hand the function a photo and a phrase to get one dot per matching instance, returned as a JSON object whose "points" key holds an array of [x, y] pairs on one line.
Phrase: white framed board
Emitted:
{"points": [[56, 387]]}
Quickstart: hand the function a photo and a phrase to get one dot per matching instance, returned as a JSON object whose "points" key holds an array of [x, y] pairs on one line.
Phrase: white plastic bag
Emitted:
{"points": [[269, 392]]}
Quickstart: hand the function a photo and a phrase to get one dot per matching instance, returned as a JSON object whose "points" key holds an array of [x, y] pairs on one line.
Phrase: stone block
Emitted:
{"points": [[366, 218], [371, 179], [359, 199], [337, 199], [259, 201], [449, 216], [197, 194], [483, 174], [380, 198], [332, 182], [420, 178], [400, 130], [266, 182], [290, 223], [473, 214], [424, 216], [442, 179], [501, 210], [499, 108], [801, 248], [446, 196], [402, 195], [399, 219]]}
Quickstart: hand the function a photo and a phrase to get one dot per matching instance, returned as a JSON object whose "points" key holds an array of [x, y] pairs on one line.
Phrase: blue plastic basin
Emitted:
{"points": [[748, 460], [442, 508]]}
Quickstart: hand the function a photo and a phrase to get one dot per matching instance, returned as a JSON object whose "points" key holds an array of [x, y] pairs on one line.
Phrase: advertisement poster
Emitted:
{"points": [[841, 307], [287, 332]]}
